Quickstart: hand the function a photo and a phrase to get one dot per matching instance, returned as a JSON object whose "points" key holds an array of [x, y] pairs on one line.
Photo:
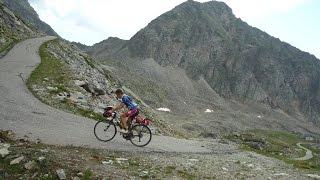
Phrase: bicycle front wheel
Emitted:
{"points": [[105, 130], [141, 135]]}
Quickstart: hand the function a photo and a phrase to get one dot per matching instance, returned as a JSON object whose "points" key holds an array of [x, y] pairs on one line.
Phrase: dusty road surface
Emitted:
{"points": [[21, 112], [308, 155]]}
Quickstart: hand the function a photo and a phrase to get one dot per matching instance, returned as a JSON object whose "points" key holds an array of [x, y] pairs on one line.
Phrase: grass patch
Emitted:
{"points": [[280, 145], [185, 174], [87, 175], [88, 60], [51, 68], [54, 73]]}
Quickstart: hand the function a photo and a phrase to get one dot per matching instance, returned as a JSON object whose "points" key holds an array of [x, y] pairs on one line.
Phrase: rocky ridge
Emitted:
{"points": [[12, 29], [25, 12]]}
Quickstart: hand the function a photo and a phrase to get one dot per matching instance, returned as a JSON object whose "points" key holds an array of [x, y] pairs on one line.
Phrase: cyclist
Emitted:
{"points": [[126, 101]]}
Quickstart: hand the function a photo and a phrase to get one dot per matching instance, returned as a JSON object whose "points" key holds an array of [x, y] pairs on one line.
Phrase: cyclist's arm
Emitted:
{"points": [[118, 107]]}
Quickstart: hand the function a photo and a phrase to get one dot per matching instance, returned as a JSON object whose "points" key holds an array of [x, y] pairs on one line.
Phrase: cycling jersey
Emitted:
{"points": [[127, 100]]}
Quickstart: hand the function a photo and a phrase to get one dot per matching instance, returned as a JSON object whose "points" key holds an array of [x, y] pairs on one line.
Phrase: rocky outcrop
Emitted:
{"points": [[25, 12], [12, 29], [88, 87], [237, 61]]}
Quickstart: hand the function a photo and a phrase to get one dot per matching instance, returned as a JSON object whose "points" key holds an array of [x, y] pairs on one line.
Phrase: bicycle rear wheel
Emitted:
{"points": [[141, 135], [105, 130]]}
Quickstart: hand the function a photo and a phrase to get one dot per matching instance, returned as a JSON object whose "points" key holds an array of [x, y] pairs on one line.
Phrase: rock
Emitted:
{"points": [[223, 141], [61, 174], [60, 97], [87, 87], [256, 145], [41, 158], [44, 150], [75, 178], [250, 165], [52, 88], [281, 174], [79, 174], [79, 83], [73, 99], [144, 174], [107, 162], [46, 79], [4, 149], [224, 169], [98, 92], [30, 165], [17, 160], [120, 160], [313, 176], [193, 160]]}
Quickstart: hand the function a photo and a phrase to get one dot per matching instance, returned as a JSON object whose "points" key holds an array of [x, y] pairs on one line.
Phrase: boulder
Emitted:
{"points": [[61, 174], [17, 160], [4, 149], [30, 165], [79, 83]]}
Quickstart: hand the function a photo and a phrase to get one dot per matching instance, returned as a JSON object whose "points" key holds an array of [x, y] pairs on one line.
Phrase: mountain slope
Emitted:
{"points": [[23, 10], [12, 29], [204, 43]]}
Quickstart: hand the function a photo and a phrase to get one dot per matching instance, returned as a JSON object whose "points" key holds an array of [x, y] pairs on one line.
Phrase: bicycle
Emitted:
{"points": [[139, 133]]}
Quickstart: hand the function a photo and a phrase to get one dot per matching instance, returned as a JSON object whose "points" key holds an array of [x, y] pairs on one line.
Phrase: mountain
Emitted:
{"points": [[199, 55], [12, 29], [24, 11], [107, 48]]}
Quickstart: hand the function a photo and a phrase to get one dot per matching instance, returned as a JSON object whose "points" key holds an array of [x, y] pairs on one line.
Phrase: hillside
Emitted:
{"points": [[200, 56], [25, 12], [12, 29]]}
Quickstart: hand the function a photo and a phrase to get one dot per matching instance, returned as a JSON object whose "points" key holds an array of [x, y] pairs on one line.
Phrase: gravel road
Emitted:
{"points": [[308, 155]]}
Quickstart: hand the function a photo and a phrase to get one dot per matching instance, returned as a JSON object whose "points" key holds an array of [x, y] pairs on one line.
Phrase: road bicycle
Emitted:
{"points": [[139, 133]]}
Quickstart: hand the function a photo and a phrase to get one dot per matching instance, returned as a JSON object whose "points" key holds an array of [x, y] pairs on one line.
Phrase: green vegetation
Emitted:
{"points": [[6, 47], [280, 145], [51, 68], [186, 175], [87, 175], [88, 60], [54, 73]]}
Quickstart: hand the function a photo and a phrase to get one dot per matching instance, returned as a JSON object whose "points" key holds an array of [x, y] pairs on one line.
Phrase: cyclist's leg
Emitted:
{"points": [[122, 120], [128, 117]]}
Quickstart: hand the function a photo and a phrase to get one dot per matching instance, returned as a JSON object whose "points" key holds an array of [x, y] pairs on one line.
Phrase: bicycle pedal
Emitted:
{"points": [[127, 136]]}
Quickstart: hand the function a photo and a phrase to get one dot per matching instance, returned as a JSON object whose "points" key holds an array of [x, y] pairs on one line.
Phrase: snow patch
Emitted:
{"points": [[164, 109], [208, 111]]}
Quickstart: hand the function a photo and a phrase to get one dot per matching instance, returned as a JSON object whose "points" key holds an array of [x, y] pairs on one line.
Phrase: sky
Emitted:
{"points": [[294, 21]]}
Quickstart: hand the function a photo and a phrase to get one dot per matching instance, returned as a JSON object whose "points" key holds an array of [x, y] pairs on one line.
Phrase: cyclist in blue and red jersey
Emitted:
{"points": [[126, 101]]}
